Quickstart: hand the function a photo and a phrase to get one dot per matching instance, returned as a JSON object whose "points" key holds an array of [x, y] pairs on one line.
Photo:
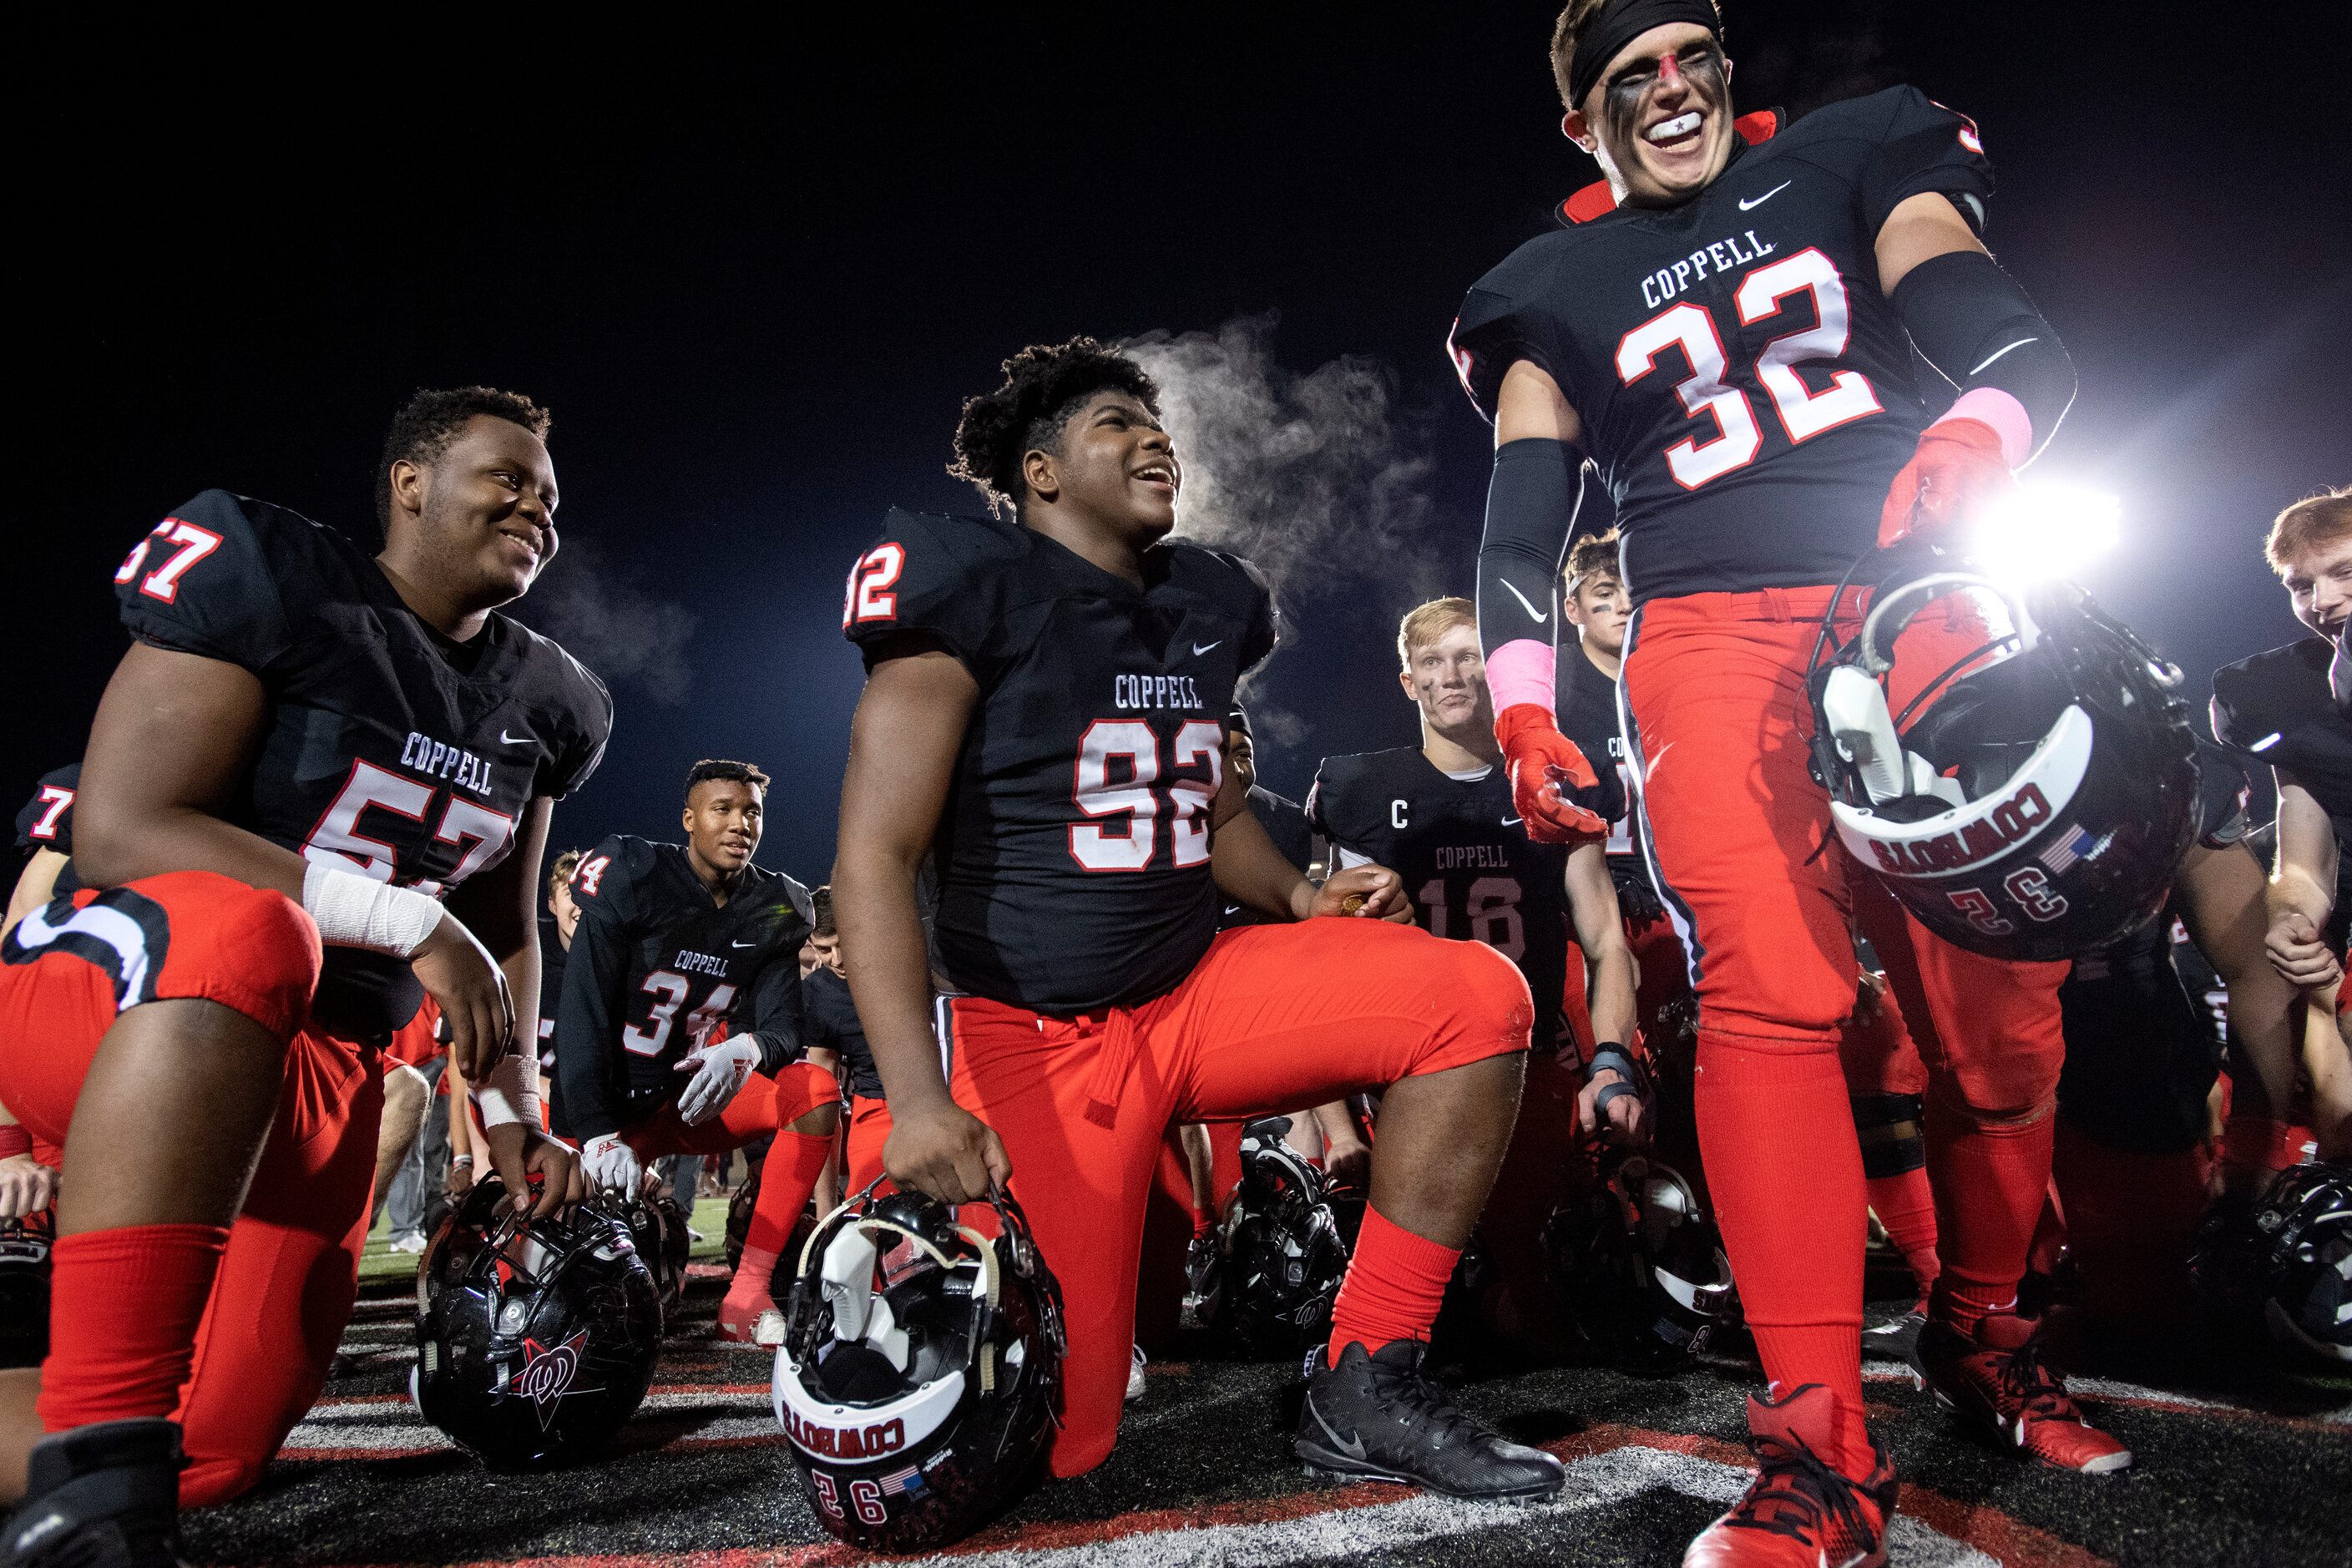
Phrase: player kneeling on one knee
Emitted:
{"points": [[1043, 718]]}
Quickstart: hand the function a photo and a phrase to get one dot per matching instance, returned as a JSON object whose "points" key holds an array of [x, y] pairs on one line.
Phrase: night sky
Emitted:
{"points": [[754, 279]]}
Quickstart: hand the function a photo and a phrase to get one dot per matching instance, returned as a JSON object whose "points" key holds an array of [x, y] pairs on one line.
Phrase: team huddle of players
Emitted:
{"points": [[1600, 905]]}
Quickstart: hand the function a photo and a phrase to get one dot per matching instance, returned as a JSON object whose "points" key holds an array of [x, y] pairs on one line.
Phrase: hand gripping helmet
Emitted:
{"points": [[1640, 1265], [25, 1290], [657, 1228], [535, 1341], [2306, 1220], [2040, 805], [919, 1370], [1285, 1249]]}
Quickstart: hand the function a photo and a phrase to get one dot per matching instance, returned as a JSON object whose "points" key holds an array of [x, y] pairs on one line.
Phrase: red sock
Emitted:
{"points": [[1791, 1210], [1394, 1286], [125, 1304], [1906, 1205], [1990, 1181], [787, 1177], [1203, 1226]]}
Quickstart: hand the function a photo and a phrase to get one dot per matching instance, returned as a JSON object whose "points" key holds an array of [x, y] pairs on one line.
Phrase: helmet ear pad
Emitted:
{"points": [[1981, 728]]}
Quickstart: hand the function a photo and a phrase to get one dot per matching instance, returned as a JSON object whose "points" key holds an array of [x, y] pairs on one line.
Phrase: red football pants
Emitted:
{"points": [[1272, 1018], [764, 1105], [870, 1129], [1741, 835], [286, 1283]]}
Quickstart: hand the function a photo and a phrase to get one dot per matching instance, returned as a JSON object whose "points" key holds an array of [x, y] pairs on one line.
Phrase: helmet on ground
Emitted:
{"points": [[1285, 1249], [919, 1369], [25, 1289], [1640, 1265], [535, 1341], [2034, 799], [658, 1228], [2305, 1219]]}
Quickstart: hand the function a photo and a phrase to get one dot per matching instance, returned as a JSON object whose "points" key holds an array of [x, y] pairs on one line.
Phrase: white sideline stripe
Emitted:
{"points": [[1877, 1370], [398, 1427]]}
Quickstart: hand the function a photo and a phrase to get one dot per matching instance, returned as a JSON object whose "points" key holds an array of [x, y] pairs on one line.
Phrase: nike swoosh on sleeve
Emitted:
{"points": [[1540, 617]]}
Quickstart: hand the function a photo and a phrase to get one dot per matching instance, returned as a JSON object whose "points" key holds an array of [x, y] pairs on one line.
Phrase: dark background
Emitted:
{"points": [[753, 277]]}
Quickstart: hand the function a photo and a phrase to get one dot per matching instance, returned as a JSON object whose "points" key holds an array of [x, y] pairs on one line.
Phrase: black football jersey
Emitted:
{"points": [[657, 969], [46, 823], [551, 956], [389, 750], [1468, 865], [1746, 391], [1073, 853], [1285, 822], [2277, 708], [1586, 703], [833, 1026]]}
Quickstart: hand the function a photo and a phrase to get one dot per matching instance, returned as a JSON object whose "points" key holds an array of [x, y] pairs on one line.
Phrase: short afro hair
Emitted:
{"points": [[1044, 383], [712, 768], [430, 420]]}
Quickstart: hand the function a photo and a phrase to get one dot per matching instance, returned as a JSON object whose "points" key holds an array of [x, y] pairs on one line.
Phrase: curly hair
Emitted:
{"points": [[721, 768], [1044, 383], [430, 420]]}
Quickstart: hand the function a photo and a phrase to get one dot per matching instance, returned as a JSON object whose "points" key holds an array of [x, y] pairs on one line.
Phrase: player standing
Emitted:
{"points": [[1440, 814], [680, 1024], [1044, 719], [303, 744], [1725, 326]]}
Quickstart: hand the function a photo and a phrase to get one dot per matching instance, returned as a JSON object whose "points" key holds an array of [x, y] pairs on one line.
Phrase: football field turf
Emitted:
{"points": [[2250, 1465]]}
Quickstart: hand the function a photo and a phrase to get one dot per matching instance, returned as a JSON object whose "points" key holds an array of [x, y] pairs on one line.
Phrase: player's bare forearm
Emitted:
{"points": [[2219, 893], [500, 907], [903, 742], [1610, 973], [2305, 881], [1248, 869], [35, 886], [172, 742]]}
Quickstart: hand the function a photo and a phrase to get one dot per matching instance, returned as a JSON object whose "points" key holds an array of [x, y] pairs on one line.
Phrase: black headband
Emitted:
{"points": [[1620, 23]]}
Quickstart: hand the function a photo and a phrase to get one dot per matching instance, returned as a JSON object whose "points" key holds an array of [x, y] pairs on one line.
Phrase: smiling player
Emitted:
{"points": [[1725, 328]]}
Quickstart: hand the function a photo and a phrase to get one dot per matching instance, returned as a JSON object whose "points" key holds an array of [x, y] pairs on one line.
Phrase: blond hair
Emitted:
{"points": [[560, 871], [2309, 523], [1424, 623]]}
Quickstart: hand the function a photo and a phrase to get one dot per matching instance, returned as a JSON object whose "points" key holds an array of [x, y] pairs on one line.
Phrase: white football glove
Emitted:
{"points": [[611, 1165], [720, 1073]]}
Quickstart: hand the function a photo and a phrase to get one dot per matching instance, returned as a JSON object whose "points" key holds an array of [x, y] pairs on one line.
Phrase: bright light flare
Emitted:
{"points": [[2046, 528]]}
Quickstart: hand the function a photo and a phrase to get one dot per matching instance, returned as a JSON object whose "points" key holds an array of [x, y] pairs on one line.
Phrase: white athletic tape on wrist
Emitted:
{"points": [[511, 1092], [352, 911]]}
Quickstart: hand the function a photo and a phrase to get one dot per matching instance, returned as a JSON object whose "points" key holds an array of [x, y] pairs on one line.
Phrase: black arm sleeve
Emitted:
{"points": [[1531, 505], [1976, 325], [591, 1074], [776, 1020]]}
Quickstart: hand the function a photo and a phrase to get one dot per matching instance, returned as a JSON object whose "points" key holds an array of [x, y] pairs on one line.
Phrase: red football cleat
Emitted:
{"points": [[1997, 1379], [1802, 1511]]}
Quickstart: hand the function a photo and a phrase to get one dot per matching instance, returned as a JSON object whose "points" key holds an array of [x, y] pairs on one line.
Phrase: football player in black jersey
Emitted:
{"points": [[2278, 709], [680, 1018], [679, 1031], [305, 743], [45, 833], [1440, 815], [1725, 328], [557, 927], [1044, 721]]}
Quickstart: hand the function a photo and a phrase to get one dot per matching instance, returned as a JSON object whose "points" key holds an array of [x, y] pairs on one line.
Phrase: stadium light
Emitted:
{"points": [[2046, 528]]}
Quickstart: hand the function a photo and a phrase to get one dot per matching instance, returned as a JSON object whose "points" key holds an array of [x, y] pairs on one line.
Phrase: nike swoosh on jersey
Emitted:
{"points": [[742, 944], [513, 740], [1513, 821], [1747, 202], [1540, 615], [1200, 648]]}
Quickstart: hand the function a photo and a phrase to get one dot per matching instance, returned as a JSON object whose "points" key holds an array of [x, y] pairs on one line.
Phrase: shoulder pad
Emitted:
{"points": [[944, 576], [2257, 699], [1503, 319], [1235, 586], [216, 577], [611, 873], [46, 820]]}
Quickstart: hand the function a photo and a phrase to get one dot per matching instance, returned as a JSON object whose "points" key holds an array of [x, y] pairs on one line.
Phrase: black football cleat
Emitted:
{"points": [[106, 1496], [1377, 1417], [1204, 1284]]}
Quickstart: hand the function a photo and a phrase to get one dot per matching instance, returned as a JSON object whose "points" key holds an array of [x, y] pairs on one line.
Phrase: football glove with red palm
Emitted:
{"points": [[1544, 768], [1959, 465]]}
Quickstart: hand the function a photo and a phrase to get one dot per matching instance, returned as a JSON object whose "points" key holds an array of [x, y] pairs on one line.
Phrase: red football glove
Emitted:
{"points": [[1544, 765], [1958, 468]]}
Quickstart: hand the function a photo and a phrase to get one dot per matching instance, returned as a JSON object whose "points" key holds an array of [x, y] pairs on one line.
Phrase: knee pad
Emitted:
{"points": [[265, 940], [1888, 1127], [1491, 991]]}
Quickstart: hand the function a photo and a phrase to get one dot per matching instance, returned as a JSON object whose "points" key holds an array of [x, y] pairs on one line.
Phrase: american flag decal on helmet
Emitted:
{"points": [[910, 1480], [2077, 845]]}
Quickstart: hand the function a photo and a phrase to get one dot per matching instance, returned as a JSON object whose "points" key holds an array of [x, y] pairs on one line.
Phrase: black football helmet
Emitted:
{"points": [[25, 1289], [919, 1370], [2035, 800], [2306, 1221], [535, 1343], [1640, 1265], [1286, 1251], [658, 1226]]}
